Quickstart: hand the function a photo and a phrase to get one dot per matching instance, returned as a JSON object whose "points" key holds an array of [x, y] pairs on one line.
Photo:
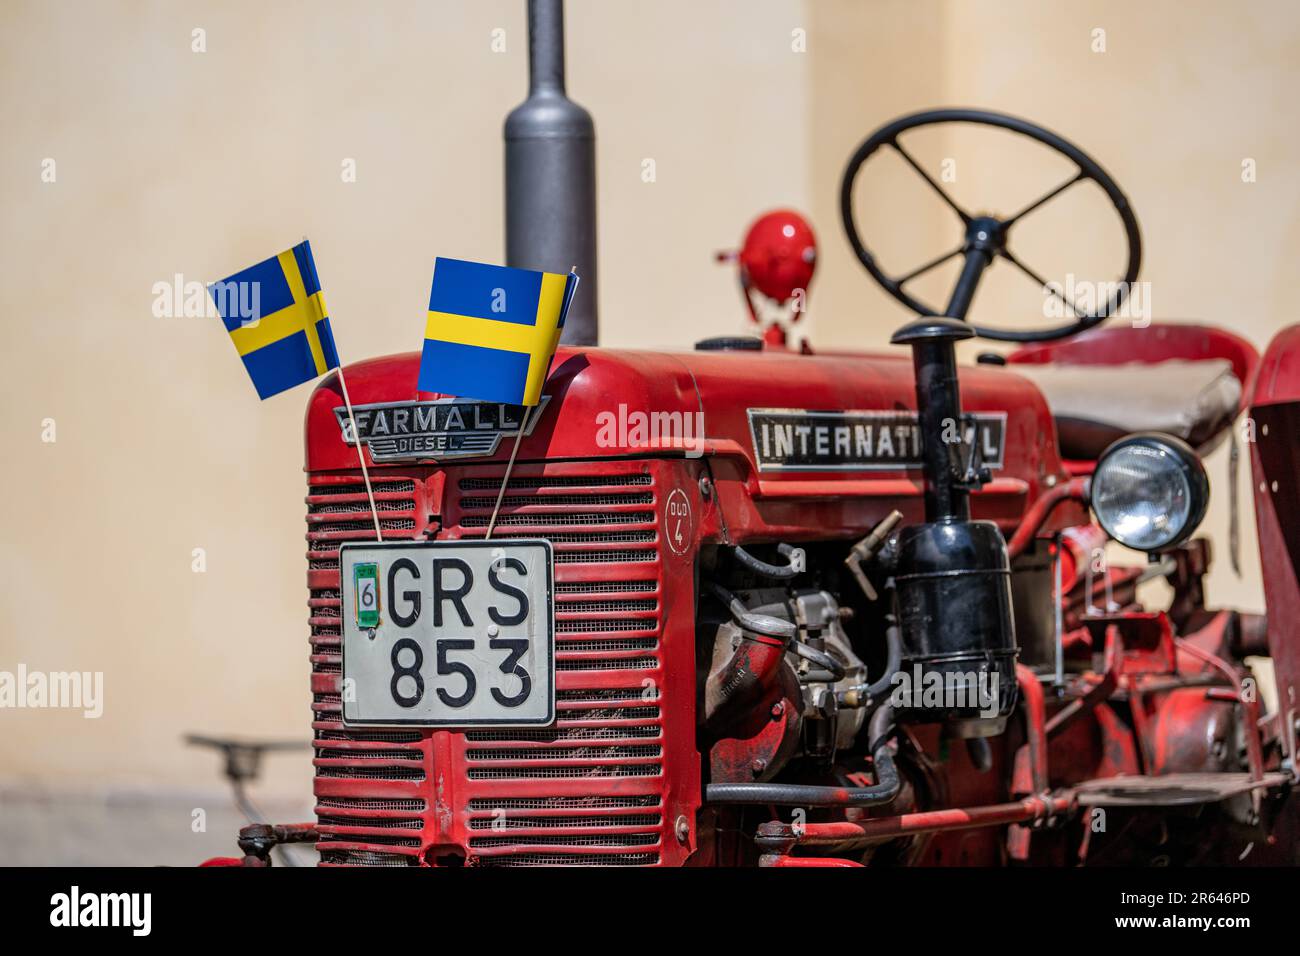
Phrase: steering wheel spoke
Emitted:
{"points": [[1006, 223], [920, 170], [921, 270], [1043, 284]]}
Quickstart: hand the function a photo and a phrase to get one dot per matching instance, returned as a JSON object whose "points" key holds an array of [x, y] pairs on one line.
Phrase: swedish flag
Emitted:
{"points": [[492, 330], [275, 314]]}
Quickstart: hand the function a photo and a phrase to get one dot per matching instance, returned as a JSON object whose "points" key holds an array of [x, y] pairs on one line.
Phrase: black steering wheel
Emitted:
{"points": [[986, 236]]}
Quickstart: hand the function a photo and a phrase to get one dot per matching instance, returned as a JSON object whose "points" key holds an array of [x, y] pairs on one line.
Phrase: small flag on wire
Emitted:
{"points": [[492, 330], [275, 314], [285, 337]]}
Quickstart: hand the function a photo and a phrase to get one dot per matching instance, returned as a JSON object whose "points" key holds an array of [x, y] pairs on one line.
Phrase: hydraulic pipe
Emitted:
{"points": [[1035, 727], [914, 824], [1041, 509]]}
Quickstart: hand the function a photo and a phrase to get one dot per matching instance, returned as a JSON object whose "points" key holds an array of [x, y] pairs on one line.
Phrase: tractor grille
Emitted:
{"points": [[590, 790]]}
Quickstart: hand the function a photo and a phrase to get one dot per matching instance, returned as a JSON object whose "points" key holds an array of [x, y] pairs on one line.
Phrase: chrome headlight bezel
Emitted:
{"points": [[1181, 466]]}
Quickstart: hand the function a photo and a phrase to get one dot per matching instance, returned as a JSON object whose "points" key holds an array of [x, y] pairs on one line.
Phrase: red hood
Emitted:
{"points": [[587, 383]]}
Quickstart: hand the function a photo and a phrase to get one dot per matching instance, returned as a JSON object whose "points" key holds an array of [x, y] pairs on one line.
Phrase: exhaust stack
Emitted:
{"points": [[551, 173]]}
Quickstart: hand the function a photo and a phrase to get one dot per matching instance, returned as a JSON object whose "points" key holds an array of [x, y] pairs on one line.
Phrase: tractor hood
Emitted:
{"points": [[784, 425]]}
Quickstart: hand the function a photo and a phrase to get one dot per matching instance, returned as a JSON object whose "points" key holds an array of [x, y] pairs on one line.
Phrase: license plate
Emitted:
{"points": [[448, 633]]}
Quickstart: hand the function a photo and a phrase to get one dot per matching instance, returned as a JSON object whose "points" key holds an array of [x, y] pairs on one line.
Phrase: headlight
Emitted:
{"points": [[1149, 491]]}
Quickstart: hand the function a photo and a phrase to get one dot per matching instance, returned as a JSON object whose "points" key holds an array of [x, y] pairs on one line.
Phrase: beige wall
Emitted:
{"points": [[170, 161]]}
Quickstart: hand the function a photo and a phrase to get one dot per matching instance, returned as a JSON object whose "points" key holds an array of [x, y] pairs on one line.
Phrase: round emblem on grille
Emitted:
{"points": [[677, 522]]}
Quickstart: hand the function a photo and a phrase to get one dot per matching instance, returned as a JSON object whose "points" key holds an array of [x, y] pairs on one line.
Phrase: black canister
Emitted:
{"points": [[953, 592]]}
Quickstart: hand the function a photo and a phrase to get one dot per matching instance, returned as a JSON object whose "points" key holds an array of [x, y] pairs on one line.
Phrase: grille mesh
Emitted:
{"points": [[572, 859], [566, 803], [520, 482], [374, 823], [566, 823], [353, 803], [605, 587], [603, 529]]}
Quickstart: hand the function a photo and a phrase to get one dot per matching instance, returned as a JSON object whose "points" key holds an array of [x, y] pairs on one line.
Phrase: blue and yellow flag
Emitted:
{"points": [[275, 314], [492, 330]]}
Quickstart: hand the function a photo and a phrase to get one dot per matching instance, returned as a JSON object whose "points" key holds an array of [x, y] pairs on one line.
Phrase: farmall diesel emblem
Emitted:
{"points": [[442, 429]]}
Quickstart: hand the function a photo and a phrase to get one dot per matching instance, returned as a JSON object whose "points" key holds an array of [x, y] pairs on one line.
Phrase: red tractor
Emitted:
{"points": [[860, 618]]}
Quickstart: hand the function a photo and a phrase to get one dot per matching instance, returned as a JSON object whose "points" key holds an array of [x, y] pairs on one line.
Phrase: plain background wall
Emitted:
{"points": [[170, 161]]}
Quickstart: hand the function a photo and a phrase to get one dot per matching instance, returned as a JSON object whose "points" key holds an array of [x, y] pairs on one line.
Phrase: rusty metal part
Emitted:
{"points": [[1193, 730], [744, 668], [1191, 564], [257, 840], [802, 862], [1096, 693], [1171, 790], [1250, 638], [866, 549], [1076, 489], [780, 837], [1033, 753], [1250, 727], [884, 791]]}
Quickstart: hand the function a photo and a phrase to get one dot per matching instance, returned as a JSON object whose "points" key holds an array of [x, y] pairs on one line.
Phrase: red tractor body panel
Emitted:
{"points": [[1275, 460], [588, 383], [617, 780]]}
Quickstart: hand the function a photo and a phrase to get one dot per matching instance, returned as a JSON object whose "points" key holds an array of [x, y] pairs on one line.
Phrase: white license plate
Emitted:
{"points": [[448, 633]]}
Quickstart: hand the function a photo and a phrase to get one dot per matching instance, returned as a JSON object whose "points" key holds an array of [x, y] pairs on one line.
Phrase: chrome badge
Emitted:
{"points": [[439, 430]]}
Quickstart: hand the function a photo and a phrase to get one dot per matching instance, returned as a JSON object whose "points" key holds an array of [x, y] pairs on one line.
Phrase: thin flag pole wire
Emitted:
{"points": [[361, 455], [510, 466]]}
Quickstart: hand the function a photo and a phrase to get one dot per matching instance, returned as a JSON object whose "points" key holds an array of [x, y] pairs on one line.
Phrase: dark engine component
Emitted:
{"points": [[954, 609], [952, 576]]}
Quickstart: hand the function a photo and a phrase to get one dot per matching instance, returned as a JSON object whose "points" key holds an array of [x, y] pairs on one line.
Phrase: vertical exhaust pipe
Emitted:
{"points": [[551, 173]]}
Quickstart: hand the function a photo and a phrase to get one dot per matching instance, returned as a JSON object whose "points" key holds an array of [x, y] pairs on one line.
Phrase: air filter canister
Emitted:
{"points": [[953, 590]]}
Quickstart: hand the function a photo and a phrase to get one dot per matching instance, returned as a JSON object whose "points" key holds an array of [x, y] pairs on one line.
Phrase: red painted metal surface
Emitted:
{"points": [[756, 506], [1075, 489], [618, 779], [1030, 773], [779, 255], [1249, 704], [781, 861], [1275, 463], [610, 782], [930, 821], [607, 784]]}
